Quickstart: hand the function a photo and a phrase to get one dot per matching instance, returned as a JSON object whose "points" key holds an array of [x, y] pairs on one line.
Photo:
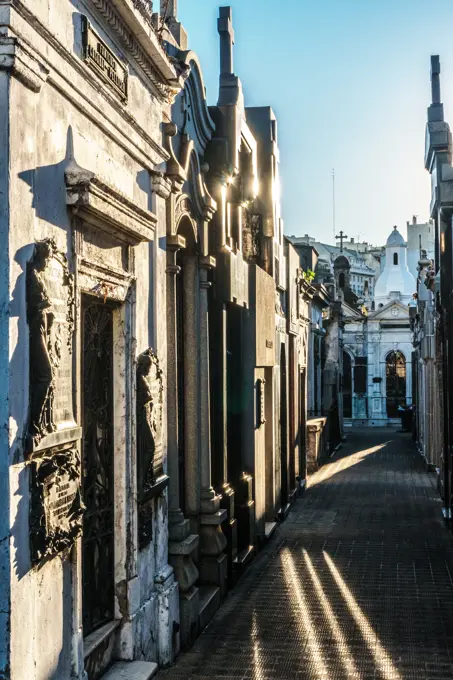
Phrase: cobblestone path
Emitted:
{"points": [[356, 583]]}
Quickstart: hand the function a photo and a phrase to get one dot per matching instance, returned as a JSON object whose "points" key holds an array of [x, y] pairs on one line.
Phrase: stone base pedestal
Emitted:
{"points": [[245, 514], [181, 547], [316, 444], [180, 558], [168, 616], [214, 571], [212, 545], [209, 603], [229, 528], [189, 616]]}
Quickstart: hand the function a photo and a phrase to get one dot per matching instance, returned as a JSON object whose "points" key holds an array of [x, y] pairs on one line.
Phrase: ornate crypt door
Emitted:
{"points": [[395, 371], [98, 459]]}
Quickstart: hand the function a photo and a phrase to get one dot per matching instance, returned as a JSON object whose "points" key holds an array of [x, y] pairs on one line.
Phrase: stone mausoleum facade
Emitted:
{"points": [[155, 338]]}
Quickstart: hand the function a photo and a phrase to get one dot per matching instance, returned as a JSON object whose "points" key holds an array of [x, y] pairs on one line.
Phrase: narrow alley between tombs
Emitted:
{"points": [[357, 583]]}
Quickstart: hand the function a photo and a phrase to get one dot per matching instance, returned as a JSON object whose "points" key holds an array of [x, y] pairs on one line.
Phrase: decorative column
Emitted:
{"points": [[213, 562], [182, 543]]}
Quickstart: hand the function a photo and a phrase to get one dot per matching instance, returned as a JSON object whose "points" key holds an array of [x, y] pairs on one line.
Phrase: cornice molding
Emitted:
{"points": [[164, 77], [16, 58], [58, 79], [105, 207]]}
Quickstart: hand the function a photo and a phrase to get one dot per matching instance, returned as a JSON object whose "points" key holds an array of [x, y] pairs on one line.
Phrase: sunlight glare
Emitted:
{"points": [[340, 638], [341, 464], [292, 582], [382, 659]]}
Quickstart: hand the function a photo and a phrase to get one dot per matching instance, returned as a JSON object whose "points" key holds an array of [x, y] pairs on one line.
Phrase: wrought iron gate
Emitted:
{"points": [[98, 531]]}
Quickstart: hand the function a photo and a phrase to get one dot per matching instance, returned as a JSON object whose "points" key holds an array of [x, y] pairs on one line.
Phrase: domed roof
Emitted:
{"points": [[395, 238], [341, 262]]}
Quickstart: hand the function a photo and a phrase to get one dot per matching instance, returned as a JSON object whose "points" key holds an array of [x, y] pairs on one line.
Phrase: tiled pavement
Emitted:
{"points": [[356, 583]]}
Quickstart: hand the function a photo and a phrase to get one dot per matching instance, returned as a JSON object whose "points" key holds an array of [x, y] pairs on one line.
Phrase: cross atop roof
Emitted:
{"points": [[341, 238]]}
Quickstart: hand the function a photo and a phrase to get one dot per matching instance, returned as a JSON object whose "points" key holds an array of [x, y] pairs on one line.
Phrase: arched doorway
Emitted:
{"points": [[347, 385], [395, 373], [187, 285]]}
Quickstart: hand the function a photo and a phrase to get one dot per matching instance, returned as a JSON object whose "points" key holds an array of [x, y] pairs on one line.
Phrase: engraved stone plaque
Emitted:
{"points": [[50, 315], [56, 508], [261, 401], [103, 61]]}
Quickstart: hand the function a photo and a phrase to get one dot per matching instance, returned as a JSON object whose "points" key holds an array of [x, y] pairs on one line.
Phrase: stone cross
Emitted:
{"points": [[435, 79], [225, 28], [341, 238]]}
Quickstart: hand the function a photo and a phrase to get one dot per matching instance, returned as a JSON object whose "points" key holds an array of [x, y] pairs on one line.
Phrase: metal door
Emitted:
{"points": [[98, 481]]}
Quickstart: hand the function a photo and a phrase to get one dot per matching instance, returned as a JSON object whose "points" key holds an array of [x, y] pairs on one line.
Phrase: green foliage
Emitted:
{"points": [[309, 275]]}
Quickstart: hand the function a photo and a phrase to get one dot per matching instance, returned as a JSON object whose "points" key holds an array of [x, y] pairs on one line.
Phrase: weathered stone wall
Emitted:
{"points": [[65, 107]]}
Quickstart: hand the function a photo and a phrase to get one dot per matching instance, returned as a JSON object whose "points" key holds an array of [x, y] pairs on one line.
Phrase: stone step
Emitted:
{"points": [[131, 670], [209, 603], [269, 528]]}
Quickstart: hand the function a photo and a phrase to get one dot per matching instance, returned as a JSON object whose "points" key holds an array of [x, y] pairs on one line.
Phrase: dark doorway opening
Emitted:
{"points": [[284, 492], [235, 405], [347, 385], [302, 424], [395, 371], [98, 464], [180, 367]]}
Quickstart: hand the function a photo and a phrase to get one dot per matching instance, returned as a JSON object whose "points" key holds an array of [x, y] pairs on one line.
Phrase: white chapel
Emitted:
{"points": [[377, 352]]}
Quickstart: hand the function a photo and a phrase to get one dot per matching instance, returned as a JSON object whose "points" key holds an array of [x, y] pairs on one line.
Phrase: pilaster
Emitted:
{"points": [[213, 562], [182, 544]]}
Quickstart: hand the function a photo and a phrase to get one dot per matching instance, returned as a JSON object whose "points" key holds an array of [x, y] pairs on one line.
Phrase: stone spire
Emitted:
{"points": [[226, 32], [438, 137], [435, 79], [436, 109]]}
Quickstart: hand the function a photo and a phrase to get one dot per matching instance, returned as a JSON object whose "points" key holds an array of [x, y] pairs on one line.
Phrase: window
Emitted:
{"points": [[395, 258], [341, 281]]}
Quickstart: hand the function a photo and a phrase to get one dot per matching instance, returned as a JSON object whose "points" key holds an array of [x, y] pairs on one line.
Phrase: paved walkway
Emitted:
{"points": [[357, 582]]}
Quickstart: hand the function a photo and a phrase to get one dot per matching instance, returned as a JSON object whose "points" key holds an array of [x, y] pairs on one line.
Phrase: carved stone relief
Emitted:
{"points": [[251, 234], [150, 471], [56, 507], [50, 316]]}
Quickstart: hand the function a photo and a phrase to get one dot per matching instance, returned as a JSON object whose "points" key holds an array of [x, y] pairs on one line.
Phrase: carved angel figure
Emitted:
{"points": [[40, 316], [149, 415]]}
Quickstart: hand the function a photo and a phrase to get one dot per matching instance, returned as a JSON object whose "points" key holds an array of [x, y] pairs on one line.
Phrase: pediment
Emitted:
{"points": [[393, 310], [350, 313]]}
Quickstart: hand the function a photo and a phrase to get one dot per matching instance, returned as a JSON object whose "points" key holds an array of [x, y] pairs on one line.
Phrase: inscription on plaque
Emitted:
{"points": [[102, 60], [261, 402], [50, 315], [56, 508]]}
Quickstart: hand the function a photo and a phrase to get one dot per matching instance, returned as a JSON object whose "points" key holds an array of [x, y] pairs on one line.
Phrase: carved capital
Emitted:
{"points": [[207, 262], [22, 64], [175, 242]]}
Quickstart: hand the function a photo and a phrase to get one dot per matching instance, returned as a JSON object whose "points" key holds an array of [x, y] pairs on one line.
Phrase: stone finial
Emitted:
{"points": [[73, 172], [435, 79], [169, 9], [226, 32]]}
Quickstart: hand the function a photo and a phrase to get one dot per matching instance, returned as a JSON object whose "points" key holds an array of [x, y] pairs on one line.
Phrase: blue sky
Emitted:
{"points": [[349, 83]]}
